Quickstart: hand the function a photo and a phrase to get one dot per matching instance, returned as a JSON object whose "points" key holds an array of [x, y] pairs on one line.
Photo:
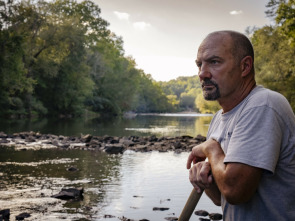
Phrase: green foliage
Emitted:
{"points": [[150, 97], [275, 50], [182, 92], [58, 57]]}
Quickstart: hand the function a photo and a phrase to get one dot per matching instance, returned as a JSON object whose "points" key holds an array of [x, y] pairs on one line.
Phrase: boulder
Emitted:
{"points": [[4, 140], [201, 213], [72, 169], [3, 135], [114, 148], [71, 193], [200, 138], [4, 214], [153, 139], [204, 219], [160, 208], [22, 216], [171, 218], [215, 216]]}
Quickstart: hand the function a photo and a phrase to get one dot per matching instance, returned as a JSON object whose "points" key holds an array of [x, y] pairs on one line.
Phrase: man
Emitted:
{"points": [[250, 143]]}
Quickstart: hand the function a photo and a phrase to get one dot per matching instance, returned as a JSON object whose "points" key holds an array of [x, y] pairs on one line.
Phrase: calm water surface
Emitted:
{"points": [[141, 125], [128, 185]]}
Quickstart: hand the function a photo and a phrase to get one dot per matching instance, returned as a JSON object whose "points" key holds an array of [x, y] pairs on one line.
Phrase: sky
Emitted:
{"points": [[163, 36]]}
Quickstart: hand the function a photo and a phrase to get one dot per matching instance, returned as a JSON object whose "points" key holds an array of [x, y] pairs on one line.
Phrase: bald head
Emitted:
{"points": [[240, 44]]}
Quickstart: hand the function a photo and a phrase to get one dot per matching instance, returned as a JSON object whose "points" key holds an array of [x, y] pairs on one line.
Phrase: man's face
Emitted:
{"points": [[218, 71]]}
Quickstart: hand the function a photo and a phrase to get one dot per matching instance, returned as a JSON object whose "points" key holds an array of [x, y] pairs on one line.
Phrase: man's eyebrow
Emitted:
{"points": [[209, 58], [212, 57]]}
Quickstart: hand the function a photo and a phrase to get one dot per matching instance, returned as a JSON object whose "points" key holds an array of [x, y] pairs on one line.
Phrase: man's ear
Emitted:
{"points": [[246, 65]]}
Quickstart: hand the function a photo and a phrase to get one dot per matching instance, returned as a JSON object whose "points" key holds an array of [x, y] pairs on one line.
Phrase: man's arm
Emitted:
{"points": [[237, 182]]}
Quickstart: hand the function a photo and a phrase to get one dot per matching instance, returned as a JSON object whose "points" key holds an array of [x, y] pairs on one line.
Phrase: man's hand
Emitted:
{"points": [[200, 176], [198, 153]]}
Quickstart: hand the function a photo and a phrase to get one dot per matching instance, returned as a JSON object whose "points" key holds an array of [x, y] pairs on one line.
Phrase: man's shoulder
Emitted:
{"points": [[261, 96]]}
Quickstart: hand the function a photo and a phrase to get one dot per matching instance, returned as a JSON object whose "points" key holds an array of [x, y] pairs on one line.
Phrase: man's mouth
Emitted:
{"points": [[208, 87]]}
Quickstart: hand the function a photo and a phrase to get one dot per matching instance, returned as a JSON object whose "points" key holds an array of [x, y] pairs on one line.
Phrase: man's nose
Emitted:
{"points": [[204, 72]]}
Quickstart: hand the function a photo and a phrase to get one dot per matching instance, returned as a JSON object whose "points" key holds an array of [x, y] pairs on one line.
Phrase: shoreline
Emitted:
{"points": [[109, 144]]}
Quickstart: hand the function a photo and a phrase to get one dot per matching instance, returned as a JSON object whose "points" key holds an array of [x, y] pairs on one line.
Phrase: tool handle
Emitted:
{"points": [[190, 205]]}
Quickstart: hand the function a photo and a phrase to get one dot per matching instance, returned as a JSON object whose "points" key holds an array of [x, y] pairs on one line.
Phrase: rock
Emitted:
{"points": [[72, 169], [177, 145], [60, 137], [201, 213], [200, 138], [153, 139], [186, 137], [109, 144], [114, 149], [109, 216], [3, 135], [160, 208], [30, 139], [125, 219], [71, 193], [86, 138], [171, 218], [22, 216], [4, 214], [55, 143], [215, 216], [94, 142], [4, 140], [125, 141], [114, 140], [204, 219], [107, 138]]}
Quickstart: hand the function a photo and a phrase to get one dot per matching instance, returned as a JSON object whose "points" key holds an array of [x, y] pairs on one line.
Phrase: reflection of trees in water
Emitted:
{"points": [[46, 171], [202, 125], [103, 170], [115, 126]]}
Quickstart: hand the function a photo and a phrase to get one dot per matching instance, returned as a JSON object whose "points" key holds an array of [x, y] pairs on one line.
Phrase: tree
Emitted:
{"points": [[15, 81], [274, 50]]}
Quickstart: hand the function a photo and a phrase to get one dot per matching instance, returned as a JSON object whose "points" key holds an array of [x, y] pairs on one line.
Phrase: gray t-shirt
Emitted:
{"points": [[260, 132]]}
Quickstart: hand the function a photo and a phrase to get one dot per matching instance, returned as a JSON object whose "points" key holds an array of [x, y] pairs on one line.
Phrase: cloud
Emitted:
{"points": [[236, 12], [141, 25], [122, 15]]}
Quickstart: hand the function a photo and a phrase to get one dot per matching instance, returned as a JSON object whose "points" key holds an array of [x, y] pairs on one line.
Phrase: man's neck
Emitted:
{"points": [[228, 104]]}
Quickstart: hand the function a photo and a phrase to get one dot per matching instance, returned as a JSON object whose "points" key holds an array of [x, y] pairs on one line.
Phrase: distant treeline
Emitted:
{"points": [[59, 58]]}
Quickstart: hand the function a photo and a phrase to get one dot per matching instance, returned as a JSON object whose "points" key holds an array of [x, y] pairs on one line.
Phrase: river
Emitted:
{"points": [[128, 185]]}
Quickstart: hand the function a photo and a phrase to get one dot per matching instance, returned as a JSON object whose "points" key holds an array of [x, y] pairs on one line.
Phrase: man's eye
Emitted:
{"points": [[214, 62], [199, 64]]}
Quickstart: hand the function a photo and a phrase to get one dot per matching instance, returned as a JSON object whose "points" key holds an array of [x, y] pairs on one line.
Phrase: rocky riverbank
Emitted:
{"points": [[47, 197], [108, 144]]}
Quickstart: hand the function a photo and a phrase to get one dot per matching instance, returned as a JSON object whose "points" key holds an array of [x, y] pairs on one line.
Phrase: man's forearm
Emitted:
{"points": [[237, 182], [214, 194]]}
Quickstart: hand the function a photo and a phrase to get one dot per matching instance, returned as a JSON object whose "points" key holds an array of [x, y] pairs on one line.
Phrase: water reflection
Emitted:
{"points": [[29, 178], [141, 125], [127, 185]]}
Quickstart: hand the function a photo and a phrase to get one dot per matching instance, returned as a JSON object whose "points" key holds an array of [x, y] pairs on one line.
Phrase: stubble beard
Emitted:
{"points": [[212, 94]]}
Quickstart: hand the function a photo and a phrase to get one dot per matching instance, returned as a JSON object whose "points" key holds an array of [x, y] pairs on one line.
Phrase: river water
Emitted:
{"points": [[128, 185]]}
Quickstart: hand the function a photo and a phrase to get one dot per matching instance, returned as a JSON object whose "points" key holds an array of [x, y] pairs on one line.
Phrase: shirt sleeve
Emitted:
{"points": [[256, 139]]}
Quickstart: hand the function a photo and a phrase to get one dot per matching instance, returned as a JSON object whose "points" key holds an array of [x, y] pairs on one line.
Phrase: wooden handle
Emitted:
{"points": [[190, 205]]}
